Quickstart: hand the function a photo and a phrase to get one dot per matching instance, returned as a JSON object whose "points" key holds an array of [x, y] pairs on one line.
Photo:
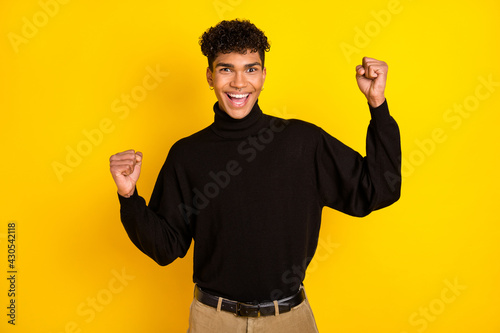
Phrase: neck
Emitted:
{"points": [[228, 127]]}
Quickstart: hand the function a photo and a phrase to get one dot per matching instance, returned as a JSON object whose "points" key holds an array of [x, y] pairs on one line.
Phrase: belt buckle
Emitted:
{"points": [[238, 311]]}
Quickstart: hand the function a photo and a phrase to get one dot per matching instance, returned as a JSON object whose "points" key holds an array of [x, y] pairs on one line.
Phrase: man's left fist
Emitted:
{"points": [[371, 77]]}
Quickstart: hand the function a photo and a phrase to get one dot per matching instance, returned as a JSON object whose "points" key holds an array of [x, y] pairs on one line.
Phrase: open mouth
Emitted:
{"points": [[238, 100]]}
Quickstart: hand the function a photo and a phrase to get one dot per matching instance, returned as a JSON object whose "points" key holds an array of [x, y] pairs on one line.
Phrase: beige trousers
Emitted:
{"points": [[205, 319]]}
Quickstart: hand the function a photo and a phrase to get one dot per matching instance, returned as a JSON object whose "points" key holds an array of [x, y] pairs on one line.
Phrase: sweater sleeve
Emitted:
{"points": [[158, 229], [358, 185]]}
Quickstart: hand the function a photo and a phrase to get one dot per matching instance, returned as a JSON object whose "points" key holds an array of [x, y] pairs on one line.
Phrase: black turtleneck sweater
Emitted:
{"points": [[250, 193]]}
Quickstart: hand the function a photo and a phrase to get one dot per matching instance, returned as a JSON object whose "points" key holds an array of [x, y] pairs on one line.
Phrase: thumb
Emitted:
{"points": [[137, 168], [138, 158]]}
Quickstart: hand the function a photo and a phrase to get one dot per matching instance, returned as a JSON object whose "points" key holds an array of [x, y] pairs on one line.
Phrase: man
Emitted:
{"points": [[250, 188]]}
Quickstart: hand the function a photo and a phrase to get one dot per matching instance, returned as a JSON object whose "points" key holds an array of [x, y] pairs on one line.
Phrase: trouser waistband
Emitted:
{"points": [[250, 310]]}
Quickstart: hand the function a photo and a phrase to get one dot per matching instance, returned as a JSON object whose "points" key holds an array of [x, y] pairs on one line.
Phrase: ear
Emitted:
{"points": [[264, 73], [210, 78]]}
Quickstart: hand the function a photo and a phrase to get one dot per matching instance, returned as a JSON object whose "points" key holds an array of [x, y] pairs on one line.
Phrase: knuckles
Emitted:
{"points": [[119, 166], [370, 67]]}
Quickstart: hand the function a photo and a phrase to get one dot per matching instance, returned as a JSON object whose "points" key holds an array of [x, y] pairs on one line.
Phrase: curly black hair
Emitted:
{"points": [[233, 36]]}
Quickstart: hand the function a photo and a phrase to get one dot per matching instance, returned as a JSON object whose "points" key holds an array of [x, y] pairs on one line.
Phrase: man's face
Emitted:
{"points": [[237, 80]]}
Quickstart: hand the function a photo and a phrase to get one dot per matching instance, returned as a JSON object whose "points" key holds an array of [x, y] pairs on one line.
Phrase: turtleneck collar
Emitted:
{"points": [[231, 128]]}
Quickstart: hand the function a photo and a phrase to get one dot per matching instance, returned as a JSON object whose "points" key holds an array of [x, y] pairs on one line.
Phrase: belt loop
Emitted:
{"points": [[219, 304], [276, 308]]}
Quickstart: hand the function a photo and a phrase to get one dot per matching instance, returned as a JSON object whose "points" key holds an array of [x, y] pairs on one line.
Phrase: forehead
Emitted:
{"points": [[237, 58]]}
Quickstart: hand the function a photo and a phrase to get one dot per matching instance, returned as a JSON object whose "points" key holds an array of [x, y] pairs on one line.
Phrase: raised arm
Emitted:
{"points": [[354, 184], [158, 230]]}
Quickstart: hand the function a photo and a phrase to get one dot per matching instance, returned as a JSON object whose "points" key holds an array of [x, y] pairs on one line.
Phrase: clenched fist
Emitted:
{"points": [[372, 76], [125, 168]]}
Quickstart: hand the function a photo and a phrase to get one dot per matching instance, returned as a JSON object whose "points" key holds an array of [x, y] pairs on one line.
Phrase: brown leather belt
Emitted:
{"points": [[250, 310]]}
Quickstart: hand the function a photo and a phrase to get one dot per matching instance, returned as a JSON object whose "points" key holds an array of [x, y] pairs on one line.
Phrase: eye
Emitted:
{"points": [[225, 69], [252, 69]]}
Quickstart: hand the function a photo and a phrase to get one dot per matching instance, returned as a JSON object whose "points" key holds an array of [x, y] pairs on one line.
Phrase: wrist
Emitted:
{"points": [[126, 195], [376, 101]]}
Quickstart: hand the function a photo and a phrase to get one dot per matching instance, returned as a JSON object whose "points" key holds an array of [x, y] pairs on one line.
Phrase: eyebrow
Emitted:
{"points": [[223, 64]]}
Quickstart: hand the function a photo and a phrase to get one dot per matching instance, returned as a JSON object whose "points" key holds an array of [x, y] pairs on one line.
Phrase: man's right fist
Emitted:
{"points": [[125, 168]]}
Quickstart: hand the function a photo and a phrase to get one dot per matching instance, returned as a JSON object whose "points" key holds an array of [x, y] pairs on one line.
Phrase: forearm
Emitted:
{"points": [[383, 156], [150, 232]]}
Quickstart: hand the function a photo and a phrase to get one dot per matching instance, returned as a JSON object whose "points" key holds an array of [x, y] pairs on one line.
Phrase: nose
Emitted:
{"points": [[239, 81]]}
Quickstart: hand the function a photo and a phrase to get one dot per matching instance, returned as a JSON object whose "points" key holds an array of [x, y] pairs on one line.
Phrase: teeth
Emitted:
{"points": [[238, 95]]}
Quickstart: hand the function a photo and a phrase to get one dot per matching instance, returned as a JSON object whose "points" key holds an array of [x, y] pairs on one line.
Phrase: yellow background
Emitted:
{"points": [[374, 274]]}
